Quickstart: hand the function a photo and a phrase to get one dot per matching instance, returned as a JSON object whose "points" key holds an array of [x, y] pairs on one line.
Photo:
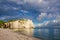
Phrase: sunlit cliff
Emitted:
{"points": [[20, 24]]}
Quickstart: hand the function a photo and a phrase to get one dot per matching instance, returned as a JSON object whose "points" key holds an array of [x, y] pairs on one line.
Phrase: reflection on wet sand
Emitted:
{"points": [[45, 34], [25, 31]]}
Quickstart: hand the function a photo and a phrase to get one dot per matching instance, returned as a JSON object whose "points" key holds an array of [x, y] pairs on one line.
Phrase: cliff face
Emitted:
{"points": [[21, 24]]}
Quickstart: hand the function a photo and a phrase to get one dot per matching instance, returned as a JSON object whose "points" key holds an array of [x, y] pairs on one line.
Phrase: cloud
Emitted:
{"points": [[46, 10], [50, 16], [16, 1], [43, 8], [53, 23], [53, 20], [4, 17], [42, 16], [45, 23], [24, 11], [40, 5]]}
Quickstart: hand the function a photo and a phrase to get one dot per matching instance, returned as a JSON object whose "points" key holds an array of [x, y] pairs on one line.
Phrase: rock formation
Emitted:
{"points": [[20, 24]]}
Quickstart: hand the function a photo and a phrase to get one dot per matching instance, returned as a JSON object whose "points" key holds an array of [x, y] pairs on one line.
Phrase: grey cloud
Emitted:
{"points": [[43, 5], [50, 24], [49, 16], [11, 7]]}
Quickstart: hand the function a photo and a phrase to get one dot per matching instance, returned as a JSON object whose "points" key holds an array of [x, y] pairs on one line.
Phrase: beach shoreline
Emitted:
{"points": [[7, 34]]}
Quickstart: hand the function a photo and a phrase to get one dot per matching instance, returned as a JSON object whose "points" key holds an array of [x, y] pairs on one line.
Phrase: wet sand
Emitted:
{"points": [[6, 34]]}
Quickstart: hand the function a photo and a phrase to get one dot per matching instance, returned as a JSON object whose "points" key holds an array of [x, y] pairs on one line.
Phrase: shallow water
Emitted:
{"points": [[44, 34]]}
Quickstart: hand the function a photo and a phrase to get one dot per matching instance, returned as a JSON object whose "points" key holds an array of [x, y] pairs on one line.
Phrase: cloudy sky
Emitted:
{"points": [[41, 12]]}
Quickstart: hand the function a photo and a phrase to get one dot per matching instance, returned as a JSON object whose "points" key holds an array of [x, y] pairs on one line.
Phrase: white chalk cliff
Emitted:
{"points": [[21, 24]]}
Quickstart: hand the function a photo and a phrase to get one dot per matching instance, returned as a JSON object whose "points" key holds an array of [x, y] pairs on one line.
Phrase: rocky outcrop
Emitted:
{"points": [[20, 24]]}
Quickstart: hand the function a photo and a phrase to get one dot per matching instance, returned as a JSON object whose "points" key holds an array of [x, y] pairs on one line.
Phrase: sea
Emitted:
{"points": [[41, 33]]}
